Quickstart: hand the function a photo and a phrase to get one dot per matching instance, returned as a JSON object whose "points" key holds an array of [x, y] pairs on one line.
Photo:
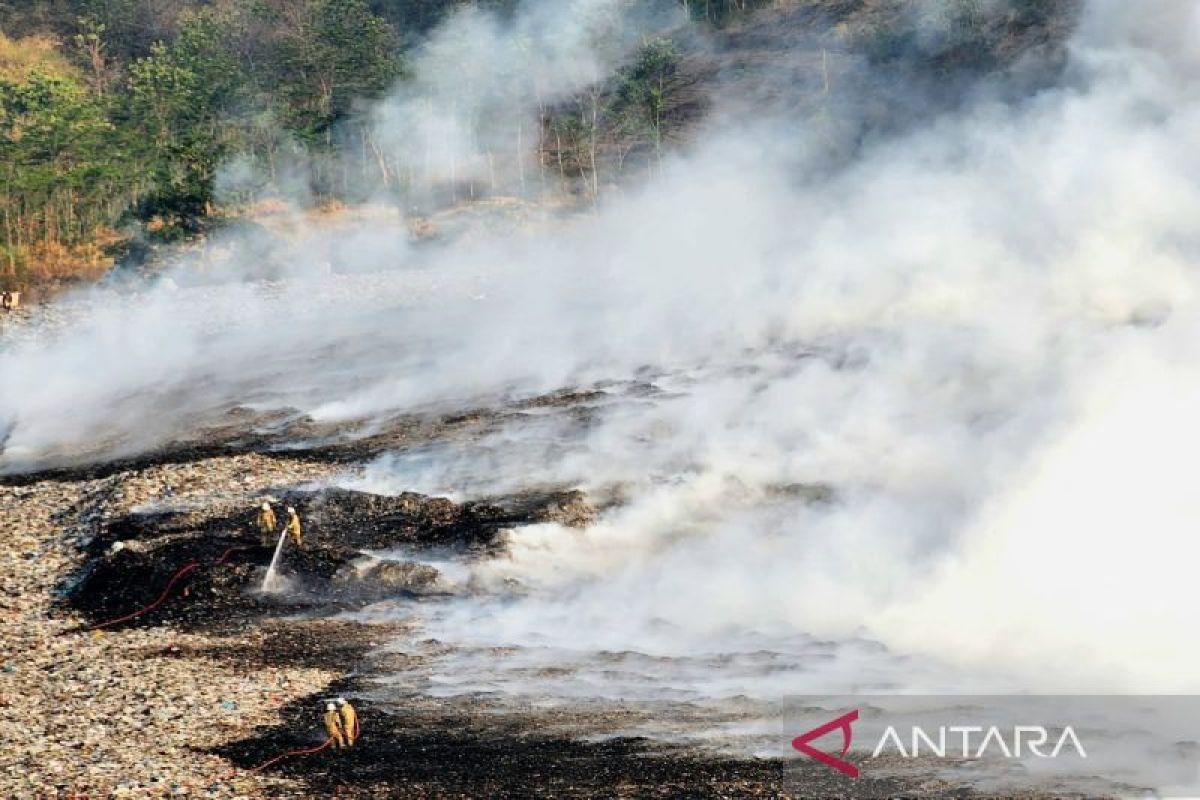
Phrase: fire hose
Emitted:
{"points": [[162, 598], [308, 751]]}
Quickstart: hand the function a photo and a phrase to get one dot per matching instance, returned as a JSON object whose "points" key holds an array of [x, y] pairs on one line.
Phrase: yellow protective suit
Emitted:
{"points": [[293, 528], [267, 525], [333, 725], [349, 722]]}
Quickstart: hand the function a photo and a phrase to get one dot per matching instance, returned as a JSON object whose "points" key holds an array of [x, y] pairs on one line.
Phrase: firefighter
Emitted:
{"points": [[333, 725], [293, 526], [349, 720], [267, 524]]}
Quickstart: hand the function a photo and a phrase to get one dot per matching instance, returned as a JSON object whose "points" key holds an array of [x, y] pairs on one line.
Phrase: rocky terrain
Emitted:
{"points": [[132, 712], [188, 699]]}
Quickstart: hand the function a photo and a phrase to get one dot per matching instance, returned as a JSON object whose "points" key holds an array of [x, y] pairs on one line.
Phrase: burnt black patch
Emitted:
{"points": [[204, 571], [448, 752]]}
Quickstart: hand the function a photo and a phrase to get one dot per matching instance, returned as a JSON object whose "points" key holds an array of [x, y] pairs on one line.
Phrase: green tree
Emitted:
{"points": [[64, 172], [644, 93], [180, 98], [334, 52], [720, 11]]}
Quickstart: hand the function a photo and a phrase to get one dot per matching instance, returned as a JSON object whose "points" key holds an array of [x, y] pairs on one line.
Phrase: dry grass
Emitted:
{"points": [[21, 57], [40, 270]]}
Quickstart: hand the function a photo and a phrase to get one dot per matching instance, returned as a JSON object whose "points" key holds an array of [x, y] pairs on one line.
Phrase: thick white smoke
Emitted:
{"points": [[482, 86], [1009, 431], [981, 335]]}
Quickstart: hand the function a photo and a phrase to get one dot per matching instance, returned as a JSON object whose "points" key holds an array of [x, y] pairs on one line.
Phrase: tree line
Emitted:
{"points": [[121, 112], [120, 115]]}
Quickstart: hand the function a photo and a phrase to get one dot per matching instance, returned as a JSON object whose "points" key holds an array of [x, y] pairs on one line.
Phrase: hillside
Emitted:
{"points": [[127, 125]]}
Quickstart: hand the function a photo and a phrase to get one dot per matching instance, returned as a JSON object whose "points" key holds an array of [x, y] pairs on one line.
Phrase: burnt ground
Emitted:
{"points": [[441, 750], [455, 748], [451, 753], [437, 750], [133, 558], [414, 747], [411, 746], [289, 434], [466, 749]]}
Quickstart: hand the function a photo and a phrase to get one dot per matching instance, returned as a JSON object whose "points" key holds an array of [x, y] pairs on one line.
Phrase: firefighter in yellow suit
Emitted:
{"points": [[333, 725], [267, 525], [293, 527], [349, 721]]}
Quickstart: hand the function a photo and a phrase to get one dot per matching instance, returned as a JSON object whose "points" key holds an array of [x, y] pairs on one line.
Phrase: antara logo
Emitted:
{"points": [[1027, 740], [844, 722]]}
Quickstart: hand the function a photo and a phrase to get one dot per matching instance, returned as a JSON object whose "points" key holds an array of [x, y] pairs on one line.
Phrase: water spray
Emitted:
{"points": [[270, 582]]}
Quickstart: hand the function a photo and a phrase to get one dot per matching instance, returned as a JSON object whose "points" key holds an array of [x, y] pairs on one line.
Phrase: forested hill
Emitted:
{"points": [[125, 120]]}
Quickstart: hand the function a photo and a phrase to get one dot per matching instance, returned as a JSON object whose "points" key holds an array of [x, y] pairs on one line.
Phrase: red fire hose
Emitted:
{"points": [[304, 752], [162, 598]]}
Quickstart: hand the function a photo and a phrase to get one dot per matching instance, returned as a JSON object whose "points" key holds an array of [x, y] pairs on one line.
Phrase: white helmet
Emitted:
{"points": [[330, 707], [266, 506], [291, 510]]}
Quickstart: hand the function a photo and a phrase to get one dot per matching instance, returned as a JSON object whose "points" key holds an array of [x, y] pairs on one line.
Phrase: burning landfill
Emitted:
{"points": [[563, 500]]}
